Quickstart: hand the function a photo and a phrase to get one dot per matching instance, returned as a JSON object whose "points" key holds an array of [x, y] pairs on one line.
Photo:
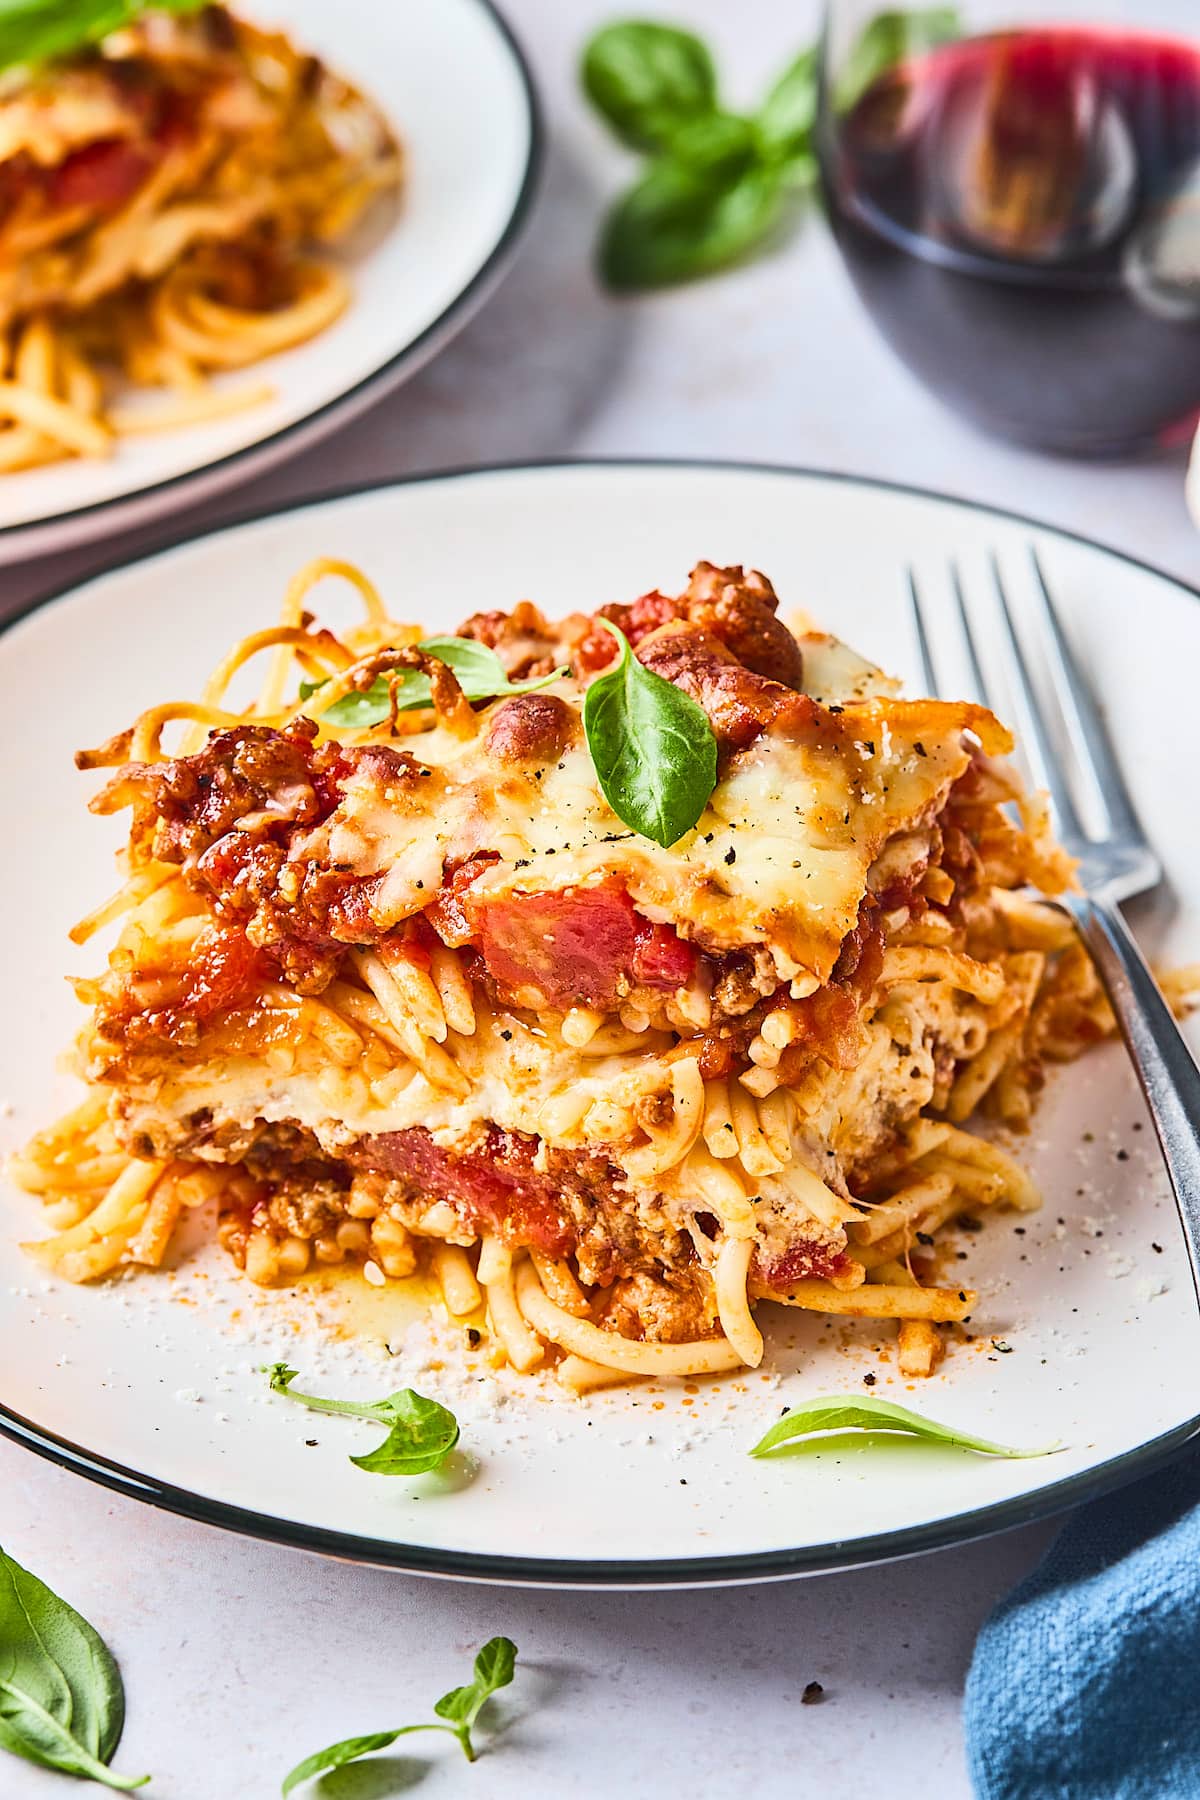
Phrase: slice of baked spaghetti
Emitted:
{"points": [[396, 983], [160, 190]]}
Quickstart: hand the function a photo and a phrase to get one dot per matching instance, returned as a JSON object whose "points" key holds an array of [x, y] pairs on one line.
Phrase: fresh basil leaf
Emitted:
{"points": [[674, 224], [457, 1704], [494, 1668], [479, 672], [648, 80], [478, 668], [495, 1665], [852, 1412], [653, 748], [62, 1704], [357, 712], [786, 117], [718, 148], [38, 31], [421, 1433], [336, 1756], [421, 1438], [886, 40]]}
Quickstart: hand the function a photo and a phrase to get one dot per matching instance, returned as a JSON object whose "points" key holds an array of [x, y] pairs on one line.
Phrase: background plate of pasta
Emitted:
{"points": [[224, 231], [561, 964]]}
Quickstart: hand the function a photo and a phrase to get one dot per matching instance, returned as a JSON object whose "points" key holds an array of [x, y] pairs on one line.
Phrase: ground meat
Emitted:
{"points": [[740, 609], [736, 608], [301, 1205], [737, 988], [248, 777], [300, 914], [564, 1202], [740, 704], [671, 1306], [534, 728], [228, 814], [524, 641]]}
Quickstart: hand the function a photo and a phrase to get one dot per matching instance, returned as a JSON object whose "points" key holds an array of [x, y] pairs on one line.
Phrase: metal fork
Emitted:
{"points": [[1115, 862]]}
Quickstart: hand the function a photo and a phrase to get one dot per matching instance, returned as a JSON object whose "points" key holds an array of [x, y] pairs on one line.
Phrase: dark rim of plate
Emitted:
{"points": [[683, 1571], [325, 418]]}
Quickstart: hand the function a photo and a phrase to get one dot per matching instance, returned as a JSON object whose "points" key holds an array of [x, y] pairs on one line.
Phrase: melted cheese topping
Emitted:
{"points": [[779, 858]]}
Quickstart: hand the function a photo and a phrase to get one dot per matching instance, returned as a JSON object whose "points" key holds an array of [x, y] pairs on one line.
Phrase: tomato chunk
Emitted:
{"points": [[102, 175], [803, 1260], [661, 958], [494, 1184], [579, 947]]}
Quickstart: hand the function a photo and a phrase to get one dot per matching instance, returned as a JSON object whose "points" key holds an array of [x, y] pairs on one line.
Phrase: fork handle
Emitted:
{"points": [[1165, 1067]]}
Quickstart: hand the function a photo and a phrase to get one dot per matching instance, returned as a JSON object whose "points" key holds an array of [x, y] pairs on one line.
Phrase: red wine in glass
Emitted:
{"points": [[1020, 213]]}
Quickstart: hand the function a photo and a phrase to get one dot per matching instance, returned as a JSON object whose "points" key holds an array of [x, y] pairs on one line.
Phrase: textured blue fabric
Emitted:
{"points": [[1085, 1683]]}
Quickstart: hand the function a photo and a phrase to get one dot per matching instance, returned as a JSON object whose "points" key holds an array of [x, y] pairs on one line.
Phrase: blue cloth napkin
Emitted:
{"points": [[1085, 1683]]}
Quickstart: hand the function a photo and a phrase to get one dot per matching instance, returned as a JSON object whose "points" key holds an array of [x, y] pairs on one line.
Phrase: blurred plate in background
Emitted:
{"points": [[456, 89]]}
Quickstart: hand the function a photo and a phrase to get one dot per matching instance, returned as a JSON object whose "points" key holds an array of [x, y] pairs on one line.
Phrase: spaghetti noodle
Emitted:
{"points": [[406, 991], [157, 193]]}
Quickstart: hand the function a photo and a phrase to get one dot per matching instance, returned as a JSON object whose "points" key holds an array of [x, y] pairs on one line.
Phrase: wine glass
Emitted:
{"points": [[1017, 201]]}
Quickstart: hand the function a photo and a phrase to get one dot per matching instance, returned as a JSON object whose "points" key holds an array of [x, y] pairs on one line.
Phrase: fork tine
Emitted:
{"points": [[923, 656], [1035, 740], [978, 678], [1085, 728]]}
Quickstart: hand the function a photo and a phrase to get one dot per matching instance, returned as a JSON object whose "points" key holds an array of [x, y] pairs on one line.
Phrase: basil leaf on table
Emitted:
{"points": [[647, 80], [479, 672], [786, 119], [718, 183], [850, 1412], [653, 748], [62, 1705], [719, 148], [674, 224], [336, 1756], [494, 1668], [421, 1434], [886, 40], [39, 31]]}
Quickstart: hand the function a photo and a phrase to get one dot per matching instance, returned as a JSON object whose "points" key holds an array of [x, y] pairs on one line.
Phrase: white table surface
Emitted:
{"points": [[239, 1658]]}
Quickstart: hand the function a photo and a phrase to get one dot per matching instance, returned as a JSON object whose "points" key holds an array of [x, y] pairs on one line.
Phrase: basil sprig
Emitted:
{"points": [[421, 1434], [856, 1412], [62, 1705], [494, 1668], [33, 32], [652, 746], [718, 184], [648, 80], [479, 672]]}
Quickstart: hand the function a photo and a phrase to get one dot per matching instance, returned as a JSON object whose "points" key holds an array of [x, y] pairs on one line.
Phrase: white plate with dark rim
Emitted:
{"points": [[453, 82], [1087, 1326]]}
